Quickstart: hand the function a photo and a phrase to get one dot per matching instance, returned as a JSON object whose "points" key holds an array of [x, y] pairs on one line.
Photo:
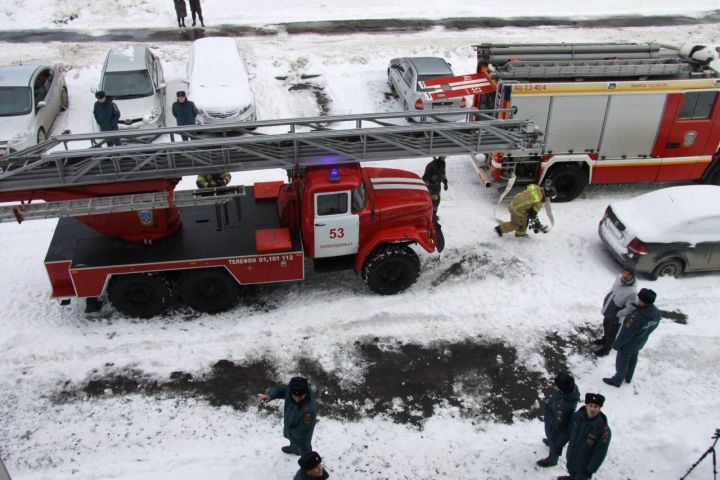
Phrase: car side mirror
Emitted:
{"points": [[162, 86], [41, 104], [93, 90]]}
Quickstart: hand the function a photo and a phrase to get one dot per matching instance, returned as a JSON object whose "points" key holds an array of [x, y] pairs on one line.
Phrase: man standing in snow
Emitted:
{"points": [[184, 111], [558, 412], [433, 177], [196, 9], [107, 115], [634, 333], [311, 467], [300, 413], [617, 304], [180, 11], [524, 208], [589, 439]]}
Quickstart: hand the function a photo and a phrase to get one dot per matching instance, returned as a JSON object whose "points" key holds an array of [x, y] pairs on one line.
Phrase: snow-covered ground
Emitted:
{"points": [[527, 295]]}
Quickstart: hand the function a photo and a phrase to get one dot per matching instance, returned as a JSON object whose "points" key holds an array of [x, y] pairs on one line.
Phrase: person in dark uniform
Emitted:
{"points": [[558, 413], [300, 413], [107, 115], [311, 467], [634, 333], [589, 439], [196, 9], [184, 111], [433, 177], [180, 11]]}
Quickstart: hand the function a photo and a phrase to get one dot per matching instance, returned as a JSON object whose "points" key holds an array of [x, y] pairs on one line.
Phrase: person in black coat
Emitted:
{"points": [[184, 111], [196, 9], [558, 413], [180, 11], [311, 467], [634, 333], [433, 177], [589, 439], [107, 115]]}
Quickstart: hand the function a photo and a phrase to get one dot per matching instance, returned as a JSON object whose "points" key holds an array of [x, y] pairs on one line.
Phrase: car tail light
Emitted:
{"points": [[418, 104], [636, 246], [463, 103]]}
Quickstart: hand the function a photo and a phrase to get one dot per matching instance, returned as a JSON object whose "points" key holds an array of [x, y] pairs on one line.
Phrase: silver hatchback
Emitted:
{"points": [[403, 77], [31, 96]]}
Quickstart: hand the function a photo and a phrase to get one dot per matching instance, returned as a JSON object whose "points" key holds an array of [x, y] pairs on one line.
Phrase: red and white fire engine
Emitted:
{"points": [[123, 230], [610, 113]]}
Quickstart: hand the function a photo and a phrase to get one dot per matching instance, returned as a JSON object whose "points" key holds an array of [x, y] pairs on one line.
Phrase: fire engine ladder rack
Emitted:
{"points": [[579, 60], [65, 161]]}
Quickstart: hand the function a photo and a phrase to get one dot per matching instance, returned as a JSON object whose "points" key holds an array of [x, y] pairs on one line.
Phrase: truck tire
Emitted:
{"points": [[668, 268], [140, 295], [209, 290], [569, 180], [390, 269]]}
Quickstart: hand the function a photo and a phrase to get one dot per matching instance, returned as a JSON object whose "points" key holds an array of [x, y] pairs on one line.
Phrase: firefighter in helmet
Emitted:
{"points": [[433, 177], [524, 208], [212, 180]]}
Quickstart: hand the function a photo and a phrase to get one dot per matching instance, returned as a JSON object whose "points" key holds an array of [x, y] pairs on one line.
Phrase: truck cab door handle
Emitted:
{"points": [[319, 224], [672, 145]]}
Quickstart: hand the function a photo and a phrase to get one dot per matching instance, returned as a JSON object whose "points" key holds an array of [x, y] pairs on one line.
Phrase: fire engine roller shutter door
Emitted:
{"points": [[632, 125], [534, 108], [575, 123]]}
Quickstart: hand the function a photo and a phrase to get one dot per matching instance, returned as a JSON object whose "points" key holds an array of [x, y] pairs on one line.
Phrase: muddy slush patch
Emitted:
{"points": [[323, 101], [676, 316], [405, 382]]}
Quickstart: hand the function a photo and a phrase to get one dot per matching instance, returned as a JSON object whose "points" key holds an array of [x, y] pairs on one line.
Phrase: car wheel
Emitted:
{"points": [[668, 268], [569, 181], [41, 137], [714, 177], [64, 99], [209, 290]]}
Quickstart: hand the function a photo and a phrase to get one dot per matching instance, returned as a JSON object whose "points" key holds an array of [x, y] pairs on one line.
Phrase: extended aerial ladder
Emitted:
{"points": [[78, 181]]}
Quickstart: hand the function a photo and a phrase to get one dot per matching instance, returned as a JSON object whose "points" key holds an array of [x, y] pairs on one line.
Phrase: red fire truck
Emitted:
{"points": [[124, 232], [610, 113]]}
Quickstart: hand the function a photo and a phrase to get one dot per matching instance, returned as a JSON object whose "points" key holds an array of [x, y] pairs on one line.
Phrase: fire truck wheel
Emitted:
{"points": [[140, 295], [569, 180], [714, 177], [391, 269], [209, 291]]}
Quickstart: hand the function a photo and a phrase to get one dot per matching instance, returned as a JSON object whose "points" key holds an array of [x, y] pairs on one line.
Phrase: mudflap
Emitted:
{"points": [[440, 238]]}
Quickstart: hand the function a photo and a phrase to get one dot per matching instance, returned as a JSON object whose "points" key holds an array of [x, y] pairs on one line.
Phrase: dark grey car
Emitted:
{"points": [[403, 77], [667, 232]]}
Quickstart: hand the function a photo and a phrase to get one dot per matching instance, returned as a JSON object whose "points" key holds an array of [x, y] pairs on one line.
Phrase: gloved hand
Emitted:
{"points": [[445, 186], [532, 214]]}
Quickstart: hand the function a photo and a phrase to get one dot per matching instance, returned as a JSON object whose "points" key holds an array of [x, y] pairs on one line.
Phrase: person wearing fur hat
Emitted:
{"points": [[299, 416], [634, 333], [311, 467], [558, 412], [617, 304], [589, 439]]}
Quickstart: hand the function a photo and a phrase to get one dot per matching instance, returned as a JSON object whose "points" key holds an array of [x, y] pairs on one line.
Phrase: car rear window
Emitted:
{"points": [[15, 101]]}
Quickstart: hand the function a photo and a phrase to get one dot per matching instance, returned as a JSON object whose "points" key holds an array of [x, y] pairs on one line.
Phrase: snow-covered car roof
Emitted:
{"points": [[664, 215], [431, 65], [217, 62]]}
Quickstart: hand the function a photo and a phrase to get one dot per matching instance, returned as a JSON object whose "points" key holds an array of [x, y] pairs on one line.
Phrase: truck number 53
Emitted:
{"points": [[337, 233]]}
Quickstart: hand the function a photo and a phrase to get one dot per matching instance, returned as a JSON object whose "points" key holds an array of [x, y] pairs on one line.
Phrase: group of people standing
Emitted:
{"points": [[627, 325], [195, 11]]}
